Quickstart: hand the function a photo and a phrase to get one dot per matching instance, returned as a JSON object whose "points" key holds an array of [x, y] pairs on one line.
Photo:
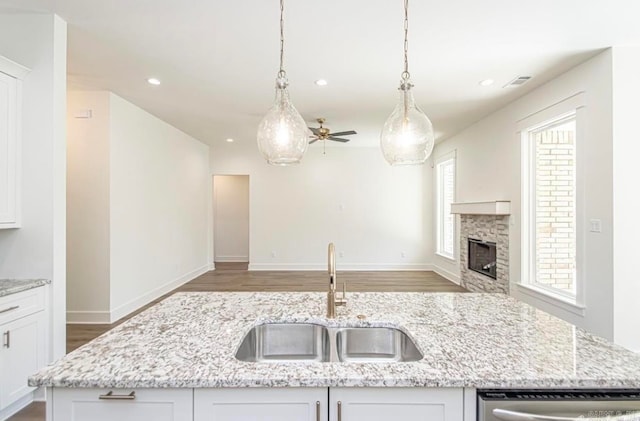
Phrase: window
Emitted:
{"points": [[446, 181], [550, 199]]}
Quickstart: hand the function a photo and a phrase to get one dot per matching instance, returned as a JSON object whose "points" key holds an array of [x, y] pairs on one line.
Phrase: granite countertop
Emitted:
{"points": [[468, 340], [13, 286]]}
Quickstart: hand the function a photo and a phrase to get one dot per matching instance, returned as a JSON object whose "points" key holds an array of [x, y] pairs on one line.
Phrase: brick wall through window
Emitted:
{"points": [[555, 228]]}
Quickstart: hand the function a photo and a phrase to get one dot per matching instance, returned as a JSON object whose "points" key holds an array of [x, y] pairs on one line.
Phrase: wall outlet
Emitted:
{"points": [[402, 254], [341, 254], [273, 253], [595, 225]]}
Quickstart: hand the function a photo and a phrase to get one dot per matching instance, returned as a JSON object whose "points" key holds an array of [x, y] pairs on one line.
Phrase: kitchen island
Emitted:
{"points": [[187, 343]]}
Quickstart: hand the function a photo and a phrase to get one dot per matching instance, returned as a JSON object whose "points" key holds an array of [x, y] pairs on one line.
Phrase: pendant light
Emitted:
{"points": [[407, 136], [283, 136]]}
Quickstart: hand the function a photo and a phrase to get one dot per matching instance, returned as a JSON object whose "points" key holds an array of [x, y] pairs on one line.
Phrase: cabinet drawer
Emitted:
{"points": [[15, 306], [122, 404]]}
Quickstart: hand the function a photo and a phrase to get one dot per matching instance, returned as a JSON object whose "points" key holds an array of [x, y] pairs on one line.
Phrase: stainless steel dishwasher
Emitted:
{"points": [[558, 405]]}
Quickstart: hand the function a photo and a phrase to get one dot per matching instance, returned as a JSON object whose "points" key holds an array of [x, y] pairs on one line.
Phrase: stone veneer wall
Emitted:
{"points": [[486, 228]]}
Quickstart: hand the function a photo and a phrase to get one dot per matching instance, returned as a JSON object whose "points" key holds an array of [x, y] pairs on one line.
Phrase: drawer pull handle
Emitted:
{"points": [[110, 396], [7, 339], [339, 410], [317, 410], [6, 310]]}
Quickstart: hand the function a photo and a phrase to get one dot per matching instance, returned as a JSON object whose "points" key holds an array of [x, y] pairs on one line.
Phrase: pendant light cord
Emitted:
{"points": [[405, 74], [281, 73]]}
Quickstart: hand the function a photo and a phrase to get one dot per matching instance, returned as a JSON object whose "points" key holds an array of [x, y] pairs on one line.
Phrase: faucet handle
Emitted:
{"points": [[342, 301]]}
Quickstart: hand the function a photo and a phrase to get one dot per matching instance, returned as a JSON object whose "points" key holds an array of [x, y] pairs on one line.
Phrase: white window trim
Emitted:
{"points": [[572, 105], [451, 156]]}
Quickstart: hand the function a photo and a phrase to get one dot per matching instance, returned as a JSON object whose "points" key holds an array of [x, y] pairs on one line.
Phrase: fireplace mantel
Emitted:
{"points": [[498, 207]]}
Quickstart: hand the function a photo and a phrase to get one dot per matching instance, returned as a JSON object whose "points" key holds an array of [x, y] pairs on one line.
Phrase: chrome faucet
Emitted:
{"points": [[332, 297]]}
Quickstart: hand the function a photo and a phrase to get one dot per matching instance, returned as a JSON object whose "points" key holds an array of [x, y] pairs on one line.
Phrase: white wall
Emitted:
{"points": [[37, 250], [88, 259], [626, 204], [231, 218], [139, 208], [372, 212], [160, 207], [488, 168]]}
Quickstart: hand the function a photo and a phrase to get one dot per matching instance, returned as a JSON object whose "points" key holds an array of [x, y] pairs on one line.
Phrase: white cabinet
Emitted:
{"points": [[10, 129], [122, 404], [23, 344], [20, 356], [406, 404], [259, 404]]}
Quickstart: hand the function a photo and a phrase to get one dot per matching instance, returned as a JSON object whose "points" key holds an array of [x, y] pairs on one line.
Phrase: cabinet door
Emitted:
{"points": [[146, 404], [8, 150], [385, 404], [258, 404], [21, 355]]}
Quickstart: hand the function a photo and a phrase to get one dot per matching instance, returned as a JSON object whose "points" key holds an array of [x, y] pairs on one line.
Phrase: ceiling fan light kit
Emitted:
{"points": [[323, 133], [283, 136], [407, 136]]}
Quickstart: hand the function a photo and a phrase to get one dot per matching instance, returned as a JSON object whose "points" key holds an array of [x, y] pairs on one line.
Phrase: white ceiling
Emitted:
{"points": [[217, 60]]}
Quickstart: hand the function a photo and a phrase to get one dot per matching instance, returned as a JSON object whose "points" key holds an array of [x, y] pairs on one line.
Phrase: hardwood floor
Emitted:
{"points": [[235, 277], [33, 412]]}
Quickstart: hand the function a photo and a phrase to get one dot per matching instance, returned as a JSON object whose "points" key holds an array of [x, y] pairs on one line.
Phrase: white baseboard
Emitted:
{"points": [[108, 317], [447, 274], [212, 266], [342, 267], [131, 306], [17, 406], [232, 259], [40, 395]]}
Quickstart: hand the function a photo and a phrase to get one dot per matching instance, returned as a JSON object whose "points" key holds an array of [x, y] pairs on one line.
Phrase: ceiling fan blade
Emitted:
{"points": [[313, 141], [337, 139], [314, 130], [350, 132]]}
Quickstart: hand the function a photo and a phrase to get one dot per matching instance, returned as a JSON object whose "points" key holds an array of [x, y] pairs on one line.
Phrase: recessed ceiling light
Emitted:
{"points": [[321, 82], [486, 82], [229, 140], [153, 81]]}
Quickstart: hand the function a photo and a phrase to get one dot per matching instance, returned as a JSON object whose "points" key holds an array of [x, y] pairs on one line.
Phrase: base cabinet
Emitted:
{"points": [[284, 404], [258, 404], [122, 404], [23, 346], [406, 404], [21, 356]]}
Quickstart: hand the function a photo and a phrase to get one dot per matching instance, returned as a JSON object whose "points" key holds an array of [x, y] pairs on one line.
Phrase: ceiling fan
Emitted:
{"points": [[323, 133]]}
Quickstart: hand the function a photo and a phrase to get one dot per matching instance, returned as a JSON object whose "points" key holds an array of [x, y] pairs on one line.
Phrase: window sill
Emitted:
{"points": [[449, 258], [559, 301]]}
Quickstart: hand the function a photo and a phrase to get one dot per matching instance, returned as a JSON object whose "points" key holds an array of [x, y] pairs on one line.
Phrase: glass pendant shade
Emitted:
{"points": [[283, 135], [407, 136]]}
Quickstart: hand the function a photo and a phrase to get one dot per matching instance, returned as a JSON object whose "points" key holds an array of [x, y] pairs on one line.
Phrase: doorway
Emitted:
{"points": [[231, 221]]}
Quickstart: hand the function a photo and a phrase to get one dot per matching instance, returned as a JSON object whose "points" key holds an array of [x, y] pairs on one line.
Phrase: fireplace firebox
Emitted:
{"points": [[482, 257]]}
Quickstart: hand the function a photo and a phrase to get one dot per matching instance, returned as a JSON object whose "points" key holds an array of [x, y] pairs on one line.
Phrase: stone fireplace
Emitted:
{"points": [[484, 232]]}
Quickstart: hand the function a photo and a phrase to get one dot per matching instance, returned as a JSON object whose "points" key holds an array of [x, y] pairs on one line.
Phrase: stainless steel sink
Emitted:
{"points": [[289, 342], [370, 344], [280, 342]]}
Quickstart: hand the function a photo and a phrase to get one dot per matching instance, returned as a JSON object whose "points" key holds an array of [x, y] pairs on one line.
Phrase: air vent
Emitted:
{"points": [[520, 80]]}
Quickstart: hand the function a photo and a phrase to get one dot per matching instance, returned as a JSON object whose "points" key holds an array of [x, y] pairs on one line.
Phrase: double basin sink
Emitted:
{"points": [[300, 342]]}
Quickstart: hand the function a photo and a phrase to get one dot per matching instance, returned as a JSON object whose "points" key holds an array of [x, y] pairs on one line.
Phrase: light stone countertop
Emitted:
{"points": [[471, 340], [13, 286]]}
